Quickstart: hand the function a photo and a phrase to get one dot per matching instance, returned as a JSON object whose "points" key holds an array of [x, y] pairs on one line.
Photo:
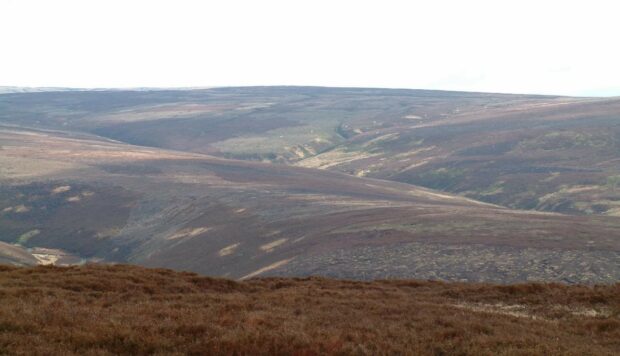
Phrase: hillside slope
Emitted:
{"points": [[131, 310], [544, 153], [68, 197], [560, 156]]}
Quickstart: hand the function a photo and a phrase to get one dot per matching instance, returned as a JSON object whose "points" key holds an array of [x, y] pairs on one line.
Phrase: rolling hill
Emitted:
{"points": [[544, 153], [295, 181]]}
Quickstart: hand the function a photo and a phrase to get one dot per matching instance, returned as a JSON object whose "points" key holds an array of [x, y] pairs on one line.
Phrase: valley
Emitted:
{"points": [[298, 181]]}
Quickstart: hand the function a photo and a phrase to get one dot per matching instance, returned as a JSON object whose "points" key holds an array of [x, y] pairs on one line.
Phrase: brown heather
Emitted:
{"points": [[99, 310]]}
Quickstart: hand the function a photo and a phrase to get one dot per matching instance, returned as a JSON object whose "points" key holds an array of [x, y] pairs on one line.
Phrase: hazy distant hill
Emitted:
{"points": [[16, 89], [9, 89]]}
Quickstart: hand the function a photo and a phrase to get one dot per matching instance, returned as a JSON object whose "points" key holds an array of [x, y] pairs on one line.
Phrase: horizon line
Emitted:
{"points": [[6, 89]]}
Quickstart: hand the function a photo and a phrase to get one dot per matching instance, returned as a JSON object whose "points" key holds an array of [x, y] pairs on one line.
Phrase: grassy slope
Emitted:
{"points": [[131, 310]]}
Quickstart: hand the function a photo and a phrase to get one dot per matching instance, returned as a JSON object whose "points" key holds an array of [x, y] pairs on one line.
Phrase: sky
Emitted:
{"points": [[540, 47]]}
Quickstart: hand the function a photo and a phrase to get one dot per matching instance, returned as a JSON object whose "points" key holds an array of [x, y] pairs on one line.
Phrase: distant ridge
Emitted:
{"points": [[286, 88], [17, 89]]}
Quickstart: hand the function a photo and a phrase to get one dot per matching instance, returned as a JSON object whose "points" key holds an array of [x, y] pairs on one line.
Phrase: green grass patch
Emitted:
{"points": [[495, 188], [23, 238], [613, 182]]}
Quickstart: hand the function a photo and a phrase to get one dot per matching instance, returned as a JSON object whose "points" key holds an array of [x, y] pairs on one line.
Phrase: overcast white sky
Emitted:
{"points": [[545, 46]]}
